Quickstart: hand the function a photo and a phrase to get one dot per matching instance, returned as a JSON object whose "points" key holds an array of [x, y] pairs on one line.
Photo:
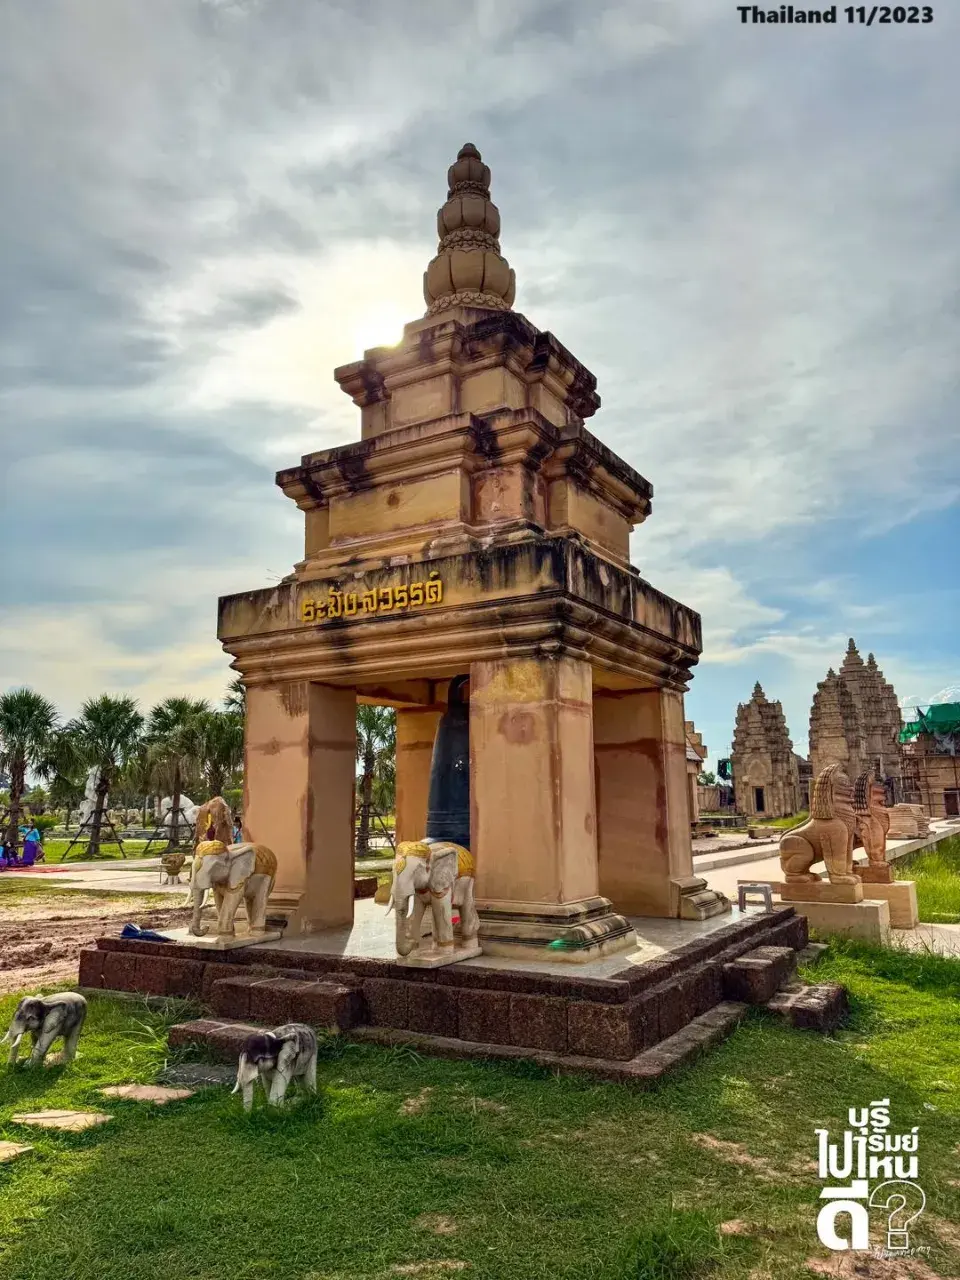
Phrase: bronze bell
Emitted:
{"points": [[448, 803]]}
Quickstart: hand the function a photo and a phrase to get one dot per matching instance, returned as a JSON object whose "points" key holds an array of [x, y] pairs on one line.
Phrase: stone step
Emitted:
{"points": [[756, 977], [646, 1067], [222, 1037], [275, 1000], [819, 1007]]}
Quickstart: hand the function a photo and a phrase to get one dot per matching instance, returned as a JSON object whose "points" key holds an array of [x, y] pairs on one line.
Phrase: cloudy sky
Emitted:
{"points": [[750, 235]]}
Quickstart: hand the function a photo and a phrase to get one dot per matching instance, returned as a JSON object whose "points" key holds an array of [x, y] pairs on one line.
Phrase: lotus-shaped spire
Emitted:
{"points": [[469, 270]]}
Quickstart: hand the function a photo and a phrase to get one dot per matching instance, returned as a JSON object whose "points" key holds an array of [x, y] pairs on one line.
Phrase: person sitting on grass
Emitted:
{"points": [[9, 854]]}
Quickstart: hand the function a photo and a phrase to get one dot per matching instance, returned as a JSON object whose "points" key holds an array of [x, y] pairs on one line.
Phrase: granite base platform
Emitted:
{"points": [[611, 1012]]}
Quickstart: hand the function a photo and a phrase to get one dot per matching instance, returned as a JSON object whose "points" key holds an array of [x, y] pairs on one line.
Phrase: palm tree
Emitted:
{"points": [[27, 723], [104, 736], [236, 699], [137, 780], [376, 751], [175, 745], [222, 748], [64, 768]]}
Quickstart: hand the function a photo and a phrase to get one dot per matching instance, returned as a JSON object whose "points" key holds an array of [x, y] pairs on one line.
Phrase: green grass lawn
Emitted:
{"points": [[415, 1166], [937, 874], [55, 850], [794, 820]]}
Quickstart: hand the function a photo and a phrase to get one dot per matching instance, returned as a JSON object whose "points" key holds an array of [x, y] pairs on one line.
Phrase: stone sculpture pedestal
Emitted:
{"points": [[868, 919], [223, 941], [437, 957], [820, 891], [839, 909], [875, 873], [901, 897]]}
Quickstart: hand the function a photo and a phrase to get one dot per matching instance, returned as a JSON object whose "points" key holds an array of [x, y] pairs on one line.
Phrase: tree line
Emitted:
{"points": [[182, 746]]}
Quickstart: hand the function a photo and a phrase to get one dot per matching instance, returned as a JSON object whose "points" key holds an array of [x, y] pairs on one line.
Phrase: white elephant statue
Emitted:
{"points": [[235, 873], [439, 875]]}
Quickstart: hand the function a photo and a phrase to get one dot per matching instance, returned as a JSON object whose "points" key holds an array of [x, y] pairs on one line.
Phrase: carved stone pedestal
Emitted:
{"points": [[437, 957], [901, 898], [222, 941], [868, 920], [696, 901], [575, 931], [875, 873], [797, 891]]}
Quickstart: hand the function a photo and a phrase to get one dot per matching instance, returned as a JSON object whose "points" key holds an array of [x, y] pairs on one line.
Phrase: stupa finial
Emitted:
{"points": [[757, 690], [468, 270]]}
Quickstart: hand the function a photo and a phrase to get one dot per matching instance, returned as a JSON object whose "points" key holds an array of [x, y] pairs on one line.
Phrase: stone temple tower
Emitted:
{"points": [[855, 721], [765, 773]]}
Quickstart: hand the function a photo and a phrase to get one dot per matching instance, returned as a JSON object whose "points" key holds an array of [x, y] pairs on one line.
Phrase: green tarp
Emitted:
{"points": [[943, 718]]}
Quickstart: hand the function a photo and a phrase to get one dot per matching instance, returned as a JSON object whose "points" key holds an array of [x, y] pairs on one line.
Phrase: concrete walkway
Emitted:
{"points": [[133, 875]]}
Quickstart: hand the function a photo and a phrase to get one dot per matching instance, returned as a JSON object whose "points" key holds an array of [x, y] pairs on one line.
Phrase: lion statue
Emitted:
{"points": [[873, 818], [827, 835]]}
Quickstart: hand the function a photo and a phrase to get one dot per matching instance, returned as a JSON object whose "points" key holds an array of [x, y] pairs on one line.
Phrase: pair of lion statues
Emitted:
{"points": [[842, 815]]}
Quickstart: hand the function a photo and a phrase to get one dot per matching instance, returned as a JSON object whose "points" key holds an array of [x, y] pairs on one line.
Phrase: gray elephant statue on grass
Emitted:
{"points": [[47, 1019], [436, 874]]}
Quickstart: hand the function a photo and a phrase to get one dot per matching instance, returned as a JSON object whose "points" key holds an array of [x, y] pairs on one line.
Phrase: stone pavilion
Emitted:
{"points": [[476, 528]]}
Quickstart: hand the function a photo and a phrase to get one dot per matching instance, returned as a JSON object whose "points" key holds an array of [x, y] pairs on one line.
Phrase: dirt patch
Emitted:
{"points": [[487, 1104], [735, 1227], [41, 939], [734, 1153], [862, 1266], [413, 1106], [438, 1223], [427, 1269]]}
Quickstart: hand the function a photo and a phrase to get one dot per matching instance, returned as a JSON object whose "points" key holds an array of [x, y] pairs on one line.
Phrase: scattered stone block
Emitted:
{"points": [[198, 1075], [365, 886], [10, 1150], [756, 976], [223, 1039], [812, 953], [819, 1007], [159, 1094], [69, 1121]]}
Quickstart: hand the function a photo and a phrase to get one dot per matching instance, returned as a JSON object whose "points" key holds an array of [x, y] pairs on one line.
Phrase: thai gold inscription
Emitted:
{"points": [[373, 600]]}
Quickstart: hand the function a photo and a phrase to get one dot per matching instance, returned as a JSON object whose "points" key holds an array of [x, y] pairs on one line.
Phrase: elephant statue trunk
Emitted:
{"points": [[196, 928]]}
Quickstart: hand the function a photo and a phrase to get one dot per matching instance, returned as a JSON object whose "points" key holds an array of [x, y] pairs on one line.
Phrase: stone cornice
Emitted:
{"points": [[547, 598], [458, 345]]}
